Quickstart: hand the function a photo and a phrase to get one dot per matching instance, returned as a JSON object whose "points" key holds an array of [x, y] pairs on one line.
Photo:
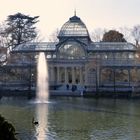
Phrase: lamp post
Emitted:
{"points": [[30, 80], [97, 74], [114, 80]]}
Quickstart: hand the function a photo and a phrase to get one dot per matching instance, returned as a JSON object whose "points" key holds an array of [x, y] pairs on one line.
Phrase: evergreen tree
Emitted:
{"points": [[20, 29]]}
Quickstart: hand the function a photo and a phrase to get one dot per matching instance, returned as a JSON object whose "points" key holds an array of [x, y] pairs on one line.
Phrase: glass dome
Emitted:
{"points": [[74, 27]]}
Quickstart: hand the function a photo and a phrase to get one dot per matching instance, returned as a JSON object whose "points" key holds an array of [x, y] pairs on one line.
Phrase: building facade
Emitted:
{"points": [[75, 60]]}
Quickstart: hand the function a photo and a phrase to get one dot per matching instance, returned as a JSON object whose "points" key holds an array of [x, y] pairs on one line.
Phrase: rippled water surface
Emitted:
{"points": [[73, 118]]}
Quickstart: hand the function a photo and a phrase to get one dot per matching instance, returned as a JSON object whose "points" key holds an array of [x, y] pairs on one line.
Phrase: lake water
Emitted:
{"points": [[67, 118]]}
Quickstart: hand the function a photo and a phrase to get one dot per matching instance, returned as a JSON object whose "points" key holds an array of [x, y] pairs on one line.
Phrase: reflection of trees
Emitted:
{"points": [[134, 75], [71, 50], [120, 75], [24, 59], [107, 74], [19, 68]]}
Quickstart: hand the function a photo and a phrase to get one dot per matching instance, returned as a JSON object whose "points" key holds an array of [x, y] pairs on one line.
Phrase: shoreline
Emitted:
{"points": [[68, 93]]}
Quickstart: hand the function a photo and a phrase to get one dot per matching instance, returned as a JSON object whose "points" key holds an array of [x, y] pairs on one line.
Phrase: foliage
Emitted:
{"points": [[7, 131], [113, 36], [20, 28], [3, 45], [3, 55]]}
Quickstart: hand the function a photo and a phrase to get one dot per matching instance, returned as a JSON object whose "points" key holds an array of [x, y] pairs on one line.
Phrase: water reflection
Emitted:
{"points": [[74, 119], [42, 118]]}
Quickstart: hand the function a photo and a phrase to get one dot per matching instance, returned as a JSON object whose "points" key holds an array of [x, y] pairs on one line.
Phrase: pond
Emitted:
{"points": [[70, 118]]}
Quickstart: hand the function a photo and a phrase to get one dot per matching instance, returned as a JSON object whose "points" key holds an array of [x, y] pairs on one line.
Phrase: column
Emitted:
{"points": [[129, 77], [96, 80], [66, 76], [73, 75], [81, 76], [58, 74], [136, 71], [52, 74], [114, 80], [86, 75], [100, 77]]}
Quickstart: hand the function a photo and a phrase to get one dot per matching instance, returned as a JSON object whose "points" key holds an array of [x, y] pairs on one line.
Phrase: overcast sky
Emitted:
{"points": [[94, 13]]}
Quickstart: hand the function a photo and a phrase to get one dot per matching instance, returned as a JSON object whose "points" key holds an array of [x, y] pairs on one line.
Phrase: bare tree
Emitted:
{"points": [[136, 34], [126, 32], [39, 37], [97, 34], [53, 36]]}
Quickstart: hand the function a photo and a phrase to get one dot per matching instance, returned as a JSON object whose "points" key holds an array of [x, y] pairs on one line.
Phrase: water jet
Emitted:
{"points": [[42, 91]]}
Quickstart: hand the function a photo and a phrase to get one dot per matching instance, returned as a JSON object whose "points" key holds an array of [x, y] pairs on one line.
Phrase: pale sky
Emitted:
{"points": [[94, 13]]}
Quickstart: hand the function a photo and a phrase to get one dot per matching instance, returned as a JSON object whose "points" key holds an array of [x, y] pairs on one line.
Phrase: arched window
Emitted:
{"points": [[71, 50]]}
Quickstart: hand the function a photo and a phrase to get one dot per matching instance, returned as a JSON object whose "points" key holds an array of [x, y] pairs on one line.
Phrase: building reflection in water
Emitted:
{"points": [[42, 119]]}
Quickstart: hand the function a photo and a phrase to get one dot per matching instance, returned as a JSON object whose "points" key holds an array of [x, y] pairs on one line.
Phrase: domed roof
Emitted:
{"points": [[74, 27]]}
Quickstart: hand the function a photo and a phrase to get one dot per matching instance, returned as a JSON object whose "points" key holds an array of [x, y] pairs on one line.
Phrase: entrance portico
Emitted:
{"points": [[67, 74]]}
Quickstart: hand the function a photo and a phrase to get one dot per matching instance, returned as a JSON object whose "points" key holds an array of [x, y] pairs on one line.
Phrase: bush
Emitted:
{"points": [[7, 131]]}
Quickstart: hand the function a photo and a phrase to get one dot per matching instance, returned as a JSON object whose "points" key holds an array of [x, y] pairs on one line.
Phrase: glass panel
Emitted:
{"points": [[71, 50], [74, 29]]}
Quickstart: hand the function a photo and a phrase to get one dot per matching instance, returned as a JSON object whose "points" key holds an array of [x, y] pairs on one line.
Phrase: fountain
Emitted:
{"points": [[42, 95], [42, 79]]}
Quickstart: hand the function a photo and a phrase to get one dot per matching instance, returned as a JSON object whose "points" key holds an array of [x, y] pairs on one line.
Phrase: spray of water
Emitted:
{"points": [[42, 79]]}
